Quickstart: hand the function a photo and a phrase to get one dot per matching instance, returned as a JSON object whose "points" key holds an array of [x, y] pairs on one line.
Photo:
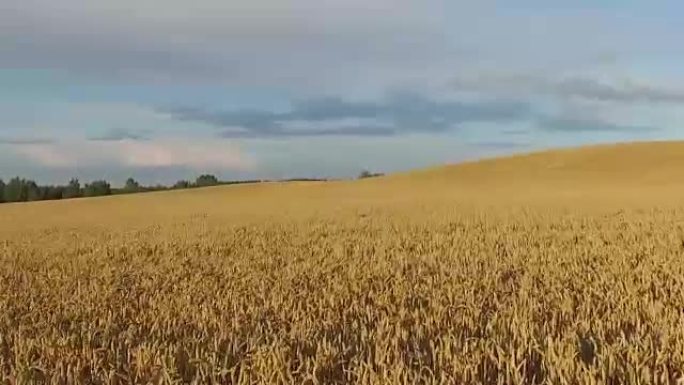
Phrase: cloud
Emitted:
{"points": [[500, 145], [580, 124], [396, 114], [24, 141], [625, 90], [218, 41], [515, 131], [119, 134], [198, 155], [311, 44]]}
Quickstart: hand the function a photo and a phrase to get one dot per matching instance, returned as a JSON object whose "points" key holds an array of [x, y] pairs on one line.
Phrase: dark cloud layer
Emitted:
{"points": [[396, 114], [626, 91], [118, 134], [503, 144], [293, 43], [578, 124], [25, 141]]}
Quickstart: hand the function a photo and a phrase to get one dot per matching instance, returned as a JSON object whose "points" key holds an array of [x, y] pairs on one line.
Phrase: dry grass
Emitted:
{"points": [[562, 267]]}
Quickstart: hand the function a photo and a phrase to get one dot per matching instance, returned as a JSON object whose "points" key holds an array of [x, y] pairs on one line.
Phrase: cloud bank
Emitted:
{"points": [[143, 154], [25, 141], [119, 134], [624, 90], [396, 114], [585, 124], [232, 42]]}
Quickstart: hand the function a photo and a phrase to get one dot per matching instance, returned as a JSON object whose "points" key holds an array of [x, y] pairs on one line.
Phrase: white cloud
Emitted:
{"points": [[197, 155]]}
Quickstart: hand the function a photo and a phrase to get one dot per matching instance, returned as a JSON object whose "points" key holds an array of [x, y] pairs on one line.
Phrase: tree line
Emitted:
{"points": [[367, 174], [25, 190]]}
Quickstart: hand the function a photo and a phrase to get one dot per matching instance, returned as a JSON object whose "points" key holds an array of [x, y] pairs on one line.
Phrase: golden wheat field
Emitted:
{"points": [[562, 267]]}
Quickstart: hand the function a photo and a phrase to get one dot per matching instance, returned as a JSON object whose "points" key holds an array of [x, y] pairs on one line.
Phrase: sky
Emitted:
{"points": [[166, 90]]}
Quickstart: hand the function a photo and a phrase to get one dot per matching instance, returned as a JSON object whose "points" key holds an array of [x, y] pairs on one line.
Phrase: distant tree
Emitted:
{"points": [[206, 180], [16, 190], [181, 184], [157, 187], [33, 192], [131, 185], [53, 192], [97, 188], [21, 190], [72, 190], [367, 174]]}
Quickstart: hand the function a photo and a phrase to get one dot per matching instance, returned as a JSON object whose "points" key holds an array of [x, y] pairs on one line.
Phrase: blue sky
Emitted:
{"points": [[277, 88]]}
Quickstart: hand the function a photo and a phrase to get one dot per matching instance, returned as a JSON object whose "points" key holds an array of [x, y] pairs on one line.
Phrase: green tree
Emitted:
{"points": [[97, 188], [53, 192], [367, 174], [206, 180], [131, 185], [181, 184], [72, 190], [2, 191], [33, 191], [16, 190]]}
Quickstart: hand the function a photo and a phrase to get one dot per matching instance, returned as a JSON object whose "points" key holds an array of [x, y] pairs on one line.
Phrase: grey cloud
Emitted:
{"points": [[515, 131], [231, 42], [353, 45], [336, 131], [571, 87], [396, 114], [569, 124], [25, 141], [502, 144], [624, 92], [118, 134]]}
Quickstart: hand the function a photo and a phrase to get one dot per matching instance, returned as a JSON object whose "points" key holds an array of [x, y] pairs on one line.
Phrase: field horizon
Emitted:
{"points": [[613, 176]]}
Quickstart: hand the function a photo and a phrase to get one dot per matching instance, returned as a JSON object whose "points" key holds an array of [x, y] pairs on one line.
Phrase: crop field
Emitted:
{"points": [[563, 267]]}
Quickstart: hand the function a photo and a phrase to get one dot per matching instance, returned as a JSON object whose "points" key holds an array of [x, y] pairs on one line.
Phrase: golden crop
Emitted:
{"points": [[546, 274]]}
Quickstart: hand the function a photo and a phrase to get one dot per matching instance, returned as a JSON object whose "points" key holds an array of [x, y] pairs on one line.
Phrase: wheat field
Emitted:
{"points": [[561, 267]]}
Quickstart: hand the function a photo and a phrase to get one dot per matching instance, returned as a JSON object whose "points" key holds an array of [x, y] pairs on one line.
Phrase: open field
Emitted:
{"points": [[557, 267]]}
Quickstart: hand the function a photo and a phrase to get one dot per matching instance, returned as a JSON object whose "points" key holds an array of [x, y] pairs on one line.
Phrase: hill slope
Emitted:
{"points": [[624, 163], [604, 177]]}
